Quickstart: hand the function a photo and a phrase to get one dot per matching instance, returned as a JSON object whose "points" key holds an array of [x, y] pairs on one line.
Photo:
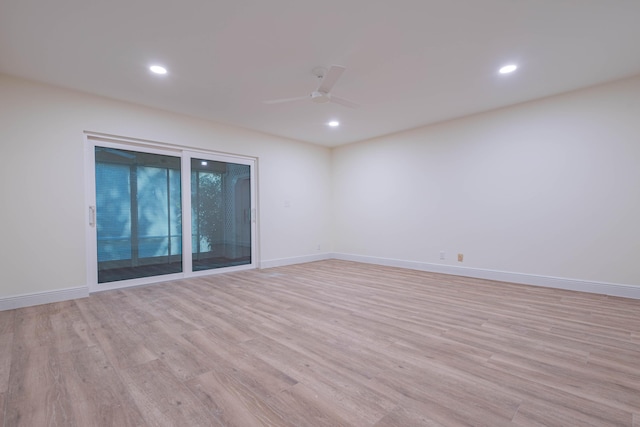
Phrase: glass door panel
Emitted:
{"points": [[220, 214], [138, 214]]}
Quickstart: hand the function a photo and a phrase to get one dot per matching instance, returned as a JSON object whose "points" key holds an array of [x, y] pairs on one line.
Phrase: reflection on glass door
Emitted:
{"points": [[138, 214], [220, 214]]}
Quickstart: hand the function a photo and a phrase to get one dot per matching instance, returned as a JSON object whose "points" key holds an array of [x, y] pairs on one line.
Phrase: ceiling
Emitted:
{"points": [[409, 62]]}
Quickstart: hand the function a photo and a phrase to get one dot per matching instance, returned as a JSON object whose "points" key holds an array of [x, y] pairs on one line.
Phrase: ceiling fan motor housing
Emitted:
{"points": [[320, 97]]}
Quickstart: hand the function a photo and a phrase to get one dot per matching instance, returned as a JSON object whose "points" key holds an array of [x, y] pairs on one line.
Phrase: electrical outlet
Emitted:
{"points": [[318, 247], [460, 257], [441, 254]]}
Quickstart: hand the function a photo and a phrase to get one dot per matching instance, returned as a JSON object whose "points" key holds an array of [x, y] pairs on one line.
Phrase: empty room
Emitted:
{"points": [[337, 213]]}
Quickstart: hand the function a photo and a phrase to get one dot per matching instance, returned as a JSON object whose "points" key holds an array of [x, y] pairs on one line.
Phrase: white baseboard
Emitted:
{"points": [[294, 260], [27, 300], [612, 289]]}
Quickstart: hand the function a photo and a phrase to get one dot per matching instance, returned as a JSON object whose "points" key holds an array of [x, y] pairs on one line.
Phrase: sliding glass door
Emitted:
{"points": [[138, 214], [161, 214], [220, 214]]}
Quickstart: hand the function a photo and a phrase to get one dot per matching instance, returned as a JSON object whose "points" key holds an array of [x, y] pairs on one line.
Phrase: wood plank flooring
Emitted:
{"points": [[330, 343]]}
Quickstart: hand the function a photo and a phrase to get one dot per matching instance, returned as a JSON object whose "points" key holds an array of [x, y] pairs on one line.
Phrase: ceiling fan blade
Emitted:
{"points": [[330, 78], [280, 101], [344, 102]]}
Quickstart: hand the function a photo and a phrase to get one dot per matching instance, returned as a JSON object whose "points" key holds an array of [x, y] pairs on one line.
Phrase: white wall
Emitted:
{"points": [[546, 188], [42, 242]]}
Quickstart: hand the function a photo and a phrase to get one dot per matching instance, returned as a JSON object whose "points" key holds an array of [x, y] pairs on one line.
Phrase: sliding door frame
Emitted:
{"points": [[91, 140], [187, 264]]}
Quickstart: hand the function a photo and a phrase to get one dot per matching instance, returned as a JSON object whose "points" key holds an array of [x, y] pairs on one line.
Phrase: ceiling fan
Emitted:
{"points": [[328, 78]]}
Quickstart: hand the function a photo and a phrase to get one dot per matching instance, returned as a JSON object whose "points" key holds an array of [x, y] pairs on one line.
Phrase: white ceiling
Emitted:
{"points": [[409, 62]]}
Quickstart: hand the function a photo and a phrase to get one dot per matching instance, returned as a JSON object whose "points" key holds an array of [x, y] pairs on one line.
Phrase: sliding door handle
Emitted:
{"points": [[92, 216]]}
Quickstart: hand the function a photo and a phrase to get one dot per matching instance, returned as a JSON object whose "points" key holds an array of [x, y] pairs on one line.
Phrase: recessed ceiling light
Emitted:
{"points": [[334, 123], [508, 69], [204, 163], [158, 69]]}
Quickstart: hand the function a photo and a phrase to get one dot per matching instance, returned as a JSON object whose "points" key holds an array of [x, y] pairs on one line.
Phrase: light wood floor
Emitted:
{"points": [[331, 343]]}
